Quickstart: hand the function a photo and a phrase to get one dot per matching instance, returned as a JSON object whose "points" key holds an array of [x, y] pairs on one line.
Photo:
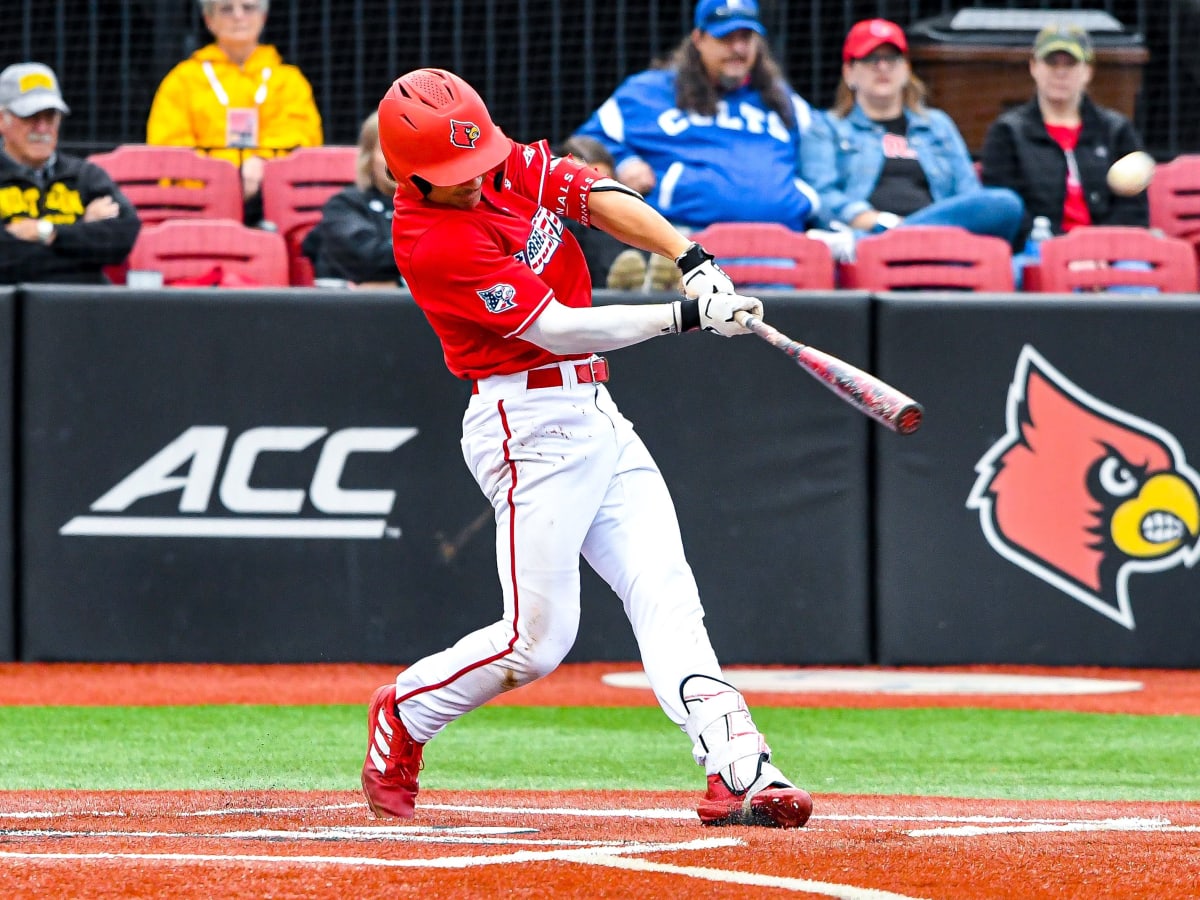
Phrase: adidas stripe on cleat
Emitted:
{"points": [[393, 763]]}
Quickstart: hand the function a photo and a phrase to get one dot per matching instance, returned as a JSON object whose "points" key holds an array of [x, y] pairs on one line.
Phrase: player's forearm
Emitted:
{"points": [[636, 222], [566, 330]]}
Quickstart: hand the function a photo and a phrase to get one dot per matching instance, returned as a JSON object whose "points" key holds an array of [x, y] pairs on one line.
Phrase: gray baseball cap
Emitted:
{"points": [[29, 88]]}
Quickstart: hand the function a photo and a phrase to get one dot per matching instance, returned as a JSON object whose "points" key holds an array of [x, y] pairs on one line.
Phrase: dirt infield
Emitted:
{"points": [[325, 845], [614, 844]]}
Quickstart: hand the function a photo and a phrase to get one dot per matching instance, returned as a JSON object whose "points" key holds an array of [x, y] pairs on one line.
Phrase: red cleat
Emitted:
{"points": [[393, 764], [776, 806]]}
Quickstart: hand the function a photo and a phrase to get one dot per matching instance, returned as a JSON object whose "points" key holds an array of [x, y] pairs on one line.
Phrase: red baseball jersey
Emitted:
{"points": [[482, 276]]}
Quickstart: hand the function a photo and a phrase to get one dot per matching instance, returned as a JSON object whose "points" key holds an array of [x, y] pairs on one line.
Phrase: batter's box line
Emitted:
{"points": [[182, 814], [609, 857], [446, 862], [1156, 825], [400, 835]]}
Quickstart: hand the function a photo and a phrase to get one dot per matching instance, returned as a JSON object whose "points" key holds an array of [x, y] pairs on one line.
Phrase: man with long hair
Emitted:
{"points": [[713, 134]]}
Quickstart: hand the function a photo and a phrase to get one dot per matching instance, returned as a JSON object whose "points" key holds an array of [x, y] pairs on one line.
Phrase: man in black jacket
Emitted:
{"points": [[61, 218], [1055, 150]]}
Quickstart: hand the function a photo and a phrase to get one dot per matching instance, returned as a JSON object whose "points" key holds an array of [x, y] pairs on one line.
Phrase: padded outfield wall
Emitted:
{"points": [[8, 645], [276, 476], [1047, 511]]}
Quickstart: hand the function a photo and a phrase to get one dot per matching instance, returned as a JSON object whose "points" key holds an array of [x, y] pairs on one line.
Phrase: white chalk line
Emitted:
{"points": [[1157, 826], [612, 854], [611, 857], [726, 876], [224, 811], [581, 855], [430, 836], [1000, 824]]}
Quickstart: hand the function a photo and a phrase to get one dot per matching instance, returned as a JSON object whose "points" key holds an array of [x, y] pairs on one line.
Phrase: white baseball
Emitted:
{"points": [[1131, 174]]}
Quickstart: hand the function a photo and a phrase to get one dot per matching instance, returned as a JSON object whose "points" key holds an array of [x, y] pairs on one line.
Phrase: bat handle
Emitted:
{"points": [[745, 319]]}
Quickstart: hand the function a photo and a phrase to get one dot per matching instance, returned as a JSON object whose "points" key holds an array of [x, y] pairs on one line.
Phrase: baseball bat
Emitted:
{"points": [[862, 390]]}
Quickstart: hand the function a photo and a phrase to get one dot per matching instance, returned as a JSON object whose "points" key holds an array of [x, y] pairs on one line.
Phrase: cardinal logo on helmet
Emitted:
{"points": [[1082, 494], [464, 134]]}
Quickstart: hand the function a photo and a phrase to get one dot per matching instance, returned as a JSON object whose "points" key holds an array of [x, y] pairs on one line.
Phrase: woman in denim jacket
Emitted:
{"points": [[881, 158]]}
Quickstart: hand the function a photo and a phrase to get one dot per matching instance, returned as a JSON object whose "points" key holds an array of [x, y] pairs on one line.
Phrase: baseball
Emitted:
{"points": [[1131, 174]]}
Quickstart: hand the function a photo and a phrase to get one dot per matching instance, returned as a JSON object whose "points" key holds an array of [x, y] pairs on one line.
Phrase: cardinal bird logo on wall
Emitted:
{"points": [[1082, 494]]}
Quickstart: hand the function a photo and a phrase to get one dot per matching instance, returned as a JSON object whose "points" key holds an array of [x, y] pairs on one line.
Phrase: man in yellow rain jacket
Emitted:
{"points": [[235, 98]]}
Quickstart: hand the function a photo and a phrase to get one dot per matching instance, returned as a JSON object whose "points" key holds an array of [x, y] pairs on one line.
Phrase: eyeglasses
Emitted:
{"points": [[230, 9], [874, 59]]}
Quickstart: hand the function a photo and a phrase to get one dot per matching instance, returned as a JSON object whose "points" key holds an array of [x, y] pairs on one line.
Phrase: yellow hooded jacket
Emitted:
{"points": [[187, 111]]}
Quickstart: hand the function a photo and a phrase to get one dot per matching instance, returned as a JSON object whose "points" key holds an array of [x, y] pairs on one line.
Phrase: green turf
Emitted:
{"points": [[946, 752]]}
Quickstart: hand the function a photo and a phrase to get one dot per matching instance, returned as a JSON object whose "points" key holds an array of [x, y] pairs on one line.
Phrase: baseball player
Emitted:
{"points": [[479, 238]]}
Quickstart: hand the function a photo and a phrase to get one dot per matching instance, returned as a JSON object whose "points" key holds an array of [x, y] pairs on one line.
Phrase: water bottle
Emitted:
{"points": [[1040, 232], [1032, 254]]}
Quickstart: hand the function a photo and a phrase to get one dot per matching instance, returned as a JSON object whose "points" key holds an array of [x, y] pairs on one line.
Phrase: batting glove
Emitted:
{"points": [[701, 275], [714, 312]]}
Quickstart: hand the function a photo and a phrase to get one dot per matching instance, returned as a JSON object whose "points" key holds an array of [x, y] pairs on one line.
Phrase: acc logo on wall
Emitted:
{"points": [[1082, 494], [259, 512]]}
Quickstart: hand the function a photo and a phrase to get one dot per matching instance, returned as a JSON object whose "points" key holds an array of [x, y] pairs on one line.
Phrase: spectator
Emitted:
{"points": [[235, 98], [353, 240], [711, 136], [881, 156], [63, 218], [601, 249], [1055, 150]]}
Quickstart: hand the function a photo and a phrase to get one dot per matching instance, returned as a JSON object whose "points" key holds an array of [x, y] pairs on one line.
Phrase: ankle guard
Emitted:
{"points": [[725, 739]]}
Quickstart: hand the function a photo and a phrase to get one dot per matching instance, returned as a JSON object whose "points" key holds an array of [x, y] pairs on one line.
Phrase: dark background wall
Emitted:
{"points": [[944, 594], [816, 536], [8, 645], [767, 473]]}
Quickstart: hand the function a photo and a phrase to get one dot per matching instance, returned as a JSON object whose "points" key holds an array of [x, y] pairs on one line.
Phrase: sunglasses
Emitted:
{"points": [[229, 9]]}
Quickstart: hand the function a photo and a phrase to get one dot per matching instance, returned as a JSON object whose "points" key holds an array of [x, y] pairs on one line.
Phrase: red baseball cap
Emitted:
{"points": [[868, 35]]}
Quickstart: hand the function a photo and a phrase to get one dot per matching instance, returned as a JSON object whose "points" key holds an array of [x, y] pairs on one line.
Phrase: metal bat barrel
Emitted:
{"points": [[870, 395]]}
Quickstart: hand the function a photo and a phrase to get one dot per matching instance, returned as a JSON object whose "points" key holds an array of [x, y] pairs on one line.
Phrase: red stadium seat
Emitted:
{"points": [[211, 251], [930, 257], [294, 189], [1084, 258], [766, 254], [1174, 198], [173, 182]]}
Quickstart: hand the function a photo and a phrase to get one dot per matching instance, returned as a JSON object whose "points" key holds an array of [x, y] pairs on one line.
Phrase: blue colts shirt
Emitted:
{"points": [[739, 165]]}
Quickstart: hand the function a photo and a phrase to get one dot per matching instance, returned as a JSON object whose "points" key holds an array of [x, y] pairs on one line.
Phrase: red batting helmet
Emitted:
{"points": [[433, 125]]}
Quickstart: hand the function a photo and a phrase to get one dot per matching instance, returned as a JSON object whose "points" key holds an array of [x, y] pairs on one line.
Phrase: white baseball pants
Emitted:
{"points": [[567, 476]]}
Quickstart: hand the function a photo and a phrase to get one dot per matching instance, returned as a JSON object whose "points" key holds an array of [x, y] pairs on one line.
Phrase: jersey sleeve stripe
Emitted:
{"points": [[542, 151], [533, 314]]}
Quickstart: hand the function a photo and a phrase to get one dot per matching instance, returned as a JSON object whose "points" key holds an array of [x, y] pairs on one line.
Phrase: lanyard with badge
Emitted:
{"points": [[241, 123]]}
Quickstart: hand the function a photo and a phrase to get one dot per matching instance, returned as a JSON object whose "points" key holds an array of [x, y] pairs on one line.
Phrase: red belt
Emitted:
{"points": [[592, 371]]}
